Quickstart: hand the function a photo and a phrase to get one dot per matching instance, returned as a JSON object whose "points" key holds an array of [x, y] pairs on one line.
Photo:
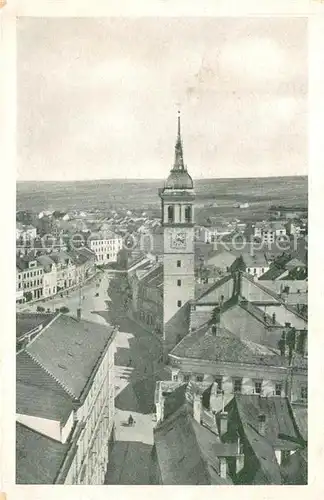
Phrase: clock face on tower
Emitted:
{"points": [[178, 240]]}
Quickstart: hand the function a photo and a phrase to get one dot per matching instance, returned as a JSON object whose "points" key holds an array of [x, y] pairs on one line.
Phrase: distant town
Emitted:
{"points": [[153, 349]]}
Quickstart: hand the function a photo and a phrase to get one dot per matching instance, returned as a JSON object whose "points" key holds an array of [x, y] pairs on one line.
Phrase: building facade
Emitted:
{"points": [[106, 246], [32, 273], [50, 276]]}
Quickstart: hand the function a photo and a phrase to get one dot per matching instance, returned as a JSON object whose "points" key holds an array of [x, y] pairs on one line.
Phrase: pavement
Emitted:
{"points": [[136, 370]]}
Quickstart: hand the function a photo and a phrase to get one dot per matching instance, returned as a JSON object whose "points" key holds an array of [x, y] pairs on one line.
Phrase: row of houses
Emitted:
{"points": [[43, 276]]}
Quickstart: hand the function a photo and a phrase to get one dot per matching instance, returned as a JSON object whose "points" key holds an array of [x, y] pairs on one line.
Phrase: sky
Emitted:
{"points": [[98, 97]]}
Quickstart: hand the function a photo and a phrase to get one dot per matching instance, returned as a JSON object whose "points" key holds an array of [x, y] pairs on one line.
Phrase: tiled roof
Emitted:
{"points": [[38, 458], [25, 322], [201, 288], [199, 317], [265, 290], [294, 470], [174, 400], [273, 273], [22, 262], [294, 262], [104, 235], [225, 346], [186, 451], [38, 394], [155, 277], [260, 315], [300, 413], [280, 430], [82, 255], [280, 434], [60, 257], [69, 350], [257, 259], [207, 296]]}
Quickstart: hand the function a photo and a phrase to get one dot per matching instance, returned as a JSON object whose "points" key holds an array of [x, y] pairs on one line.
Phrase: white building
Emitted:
{"points": [[49, 276], [65, 425], [25, 232], [19, 287], [30, 276], [268, 232], [105, 245]]}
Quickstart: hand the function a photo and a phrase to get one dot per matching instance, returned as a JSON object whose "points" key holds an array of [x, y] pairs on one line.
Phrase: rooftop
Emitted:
{"points": [[39, 458], [26, 322], [226, 347], [69, 350], [280, 433], [186, 451], [273, 273], [38, 394]]}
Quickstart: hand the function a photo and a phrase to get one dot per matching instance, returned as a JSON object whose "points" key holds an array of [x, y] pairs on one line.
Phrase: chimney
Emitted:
{"points": [[223, 423], [223, 467], [215, 329], [197, 408], [239, 456], [214, 397], [79, 313], [261, 424]]}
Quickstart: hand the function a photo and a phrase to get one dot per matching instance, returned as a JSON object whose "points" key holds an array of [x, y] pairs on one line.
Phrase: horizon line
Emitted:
{"points": [[138, 179]]}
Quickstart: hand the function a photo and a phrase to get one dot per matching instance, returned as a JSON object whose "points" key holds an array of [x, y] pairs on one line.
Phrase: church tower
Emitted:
{"points": [[177, 198]]}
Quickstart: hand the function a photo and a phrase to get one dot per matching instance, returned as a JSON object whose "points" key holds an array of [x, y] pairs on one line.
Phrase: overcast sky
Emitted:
{"points": [[97, 98]]}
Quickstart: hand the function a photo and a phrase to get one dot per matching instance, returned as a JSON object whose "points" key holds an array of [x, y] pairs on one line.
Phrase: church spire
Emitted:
{"points": [[178, 155]]}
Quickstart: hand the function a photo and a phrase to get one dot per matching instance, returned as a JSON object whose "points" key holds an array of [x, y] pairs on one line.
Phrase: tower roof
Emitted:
{"points": [[179, 177]]}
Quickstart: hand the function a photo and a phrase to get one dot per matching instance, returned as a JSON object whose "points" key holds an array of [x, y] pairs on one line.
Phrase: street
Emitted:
{"points": [[137, 368]]}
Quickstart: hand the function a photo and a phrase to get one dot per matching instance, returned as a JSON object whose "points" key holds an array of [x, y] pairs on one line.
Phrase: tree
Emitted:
{"points": [[64, 309], [28, 296], [301, 342], [291, 342]]}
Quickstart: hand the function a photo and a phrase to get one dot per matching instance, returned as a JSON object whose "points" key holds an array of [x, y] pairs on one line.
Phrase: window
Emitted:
{"points": [[179, 303], [303, 392], [237, 385], [175, 378], [199, 378], [179, 282], [170, 213], [219, 382], [186, 377], [178, 263], [278, 389], [188, 214], [258, 386]]}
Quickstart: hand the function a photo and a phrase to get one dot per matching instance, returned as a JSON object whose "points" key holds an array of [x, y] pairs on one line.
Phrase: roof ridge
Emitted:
{"points": [[51, 375], [213, 287], [265, 289], [191, 333]]}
